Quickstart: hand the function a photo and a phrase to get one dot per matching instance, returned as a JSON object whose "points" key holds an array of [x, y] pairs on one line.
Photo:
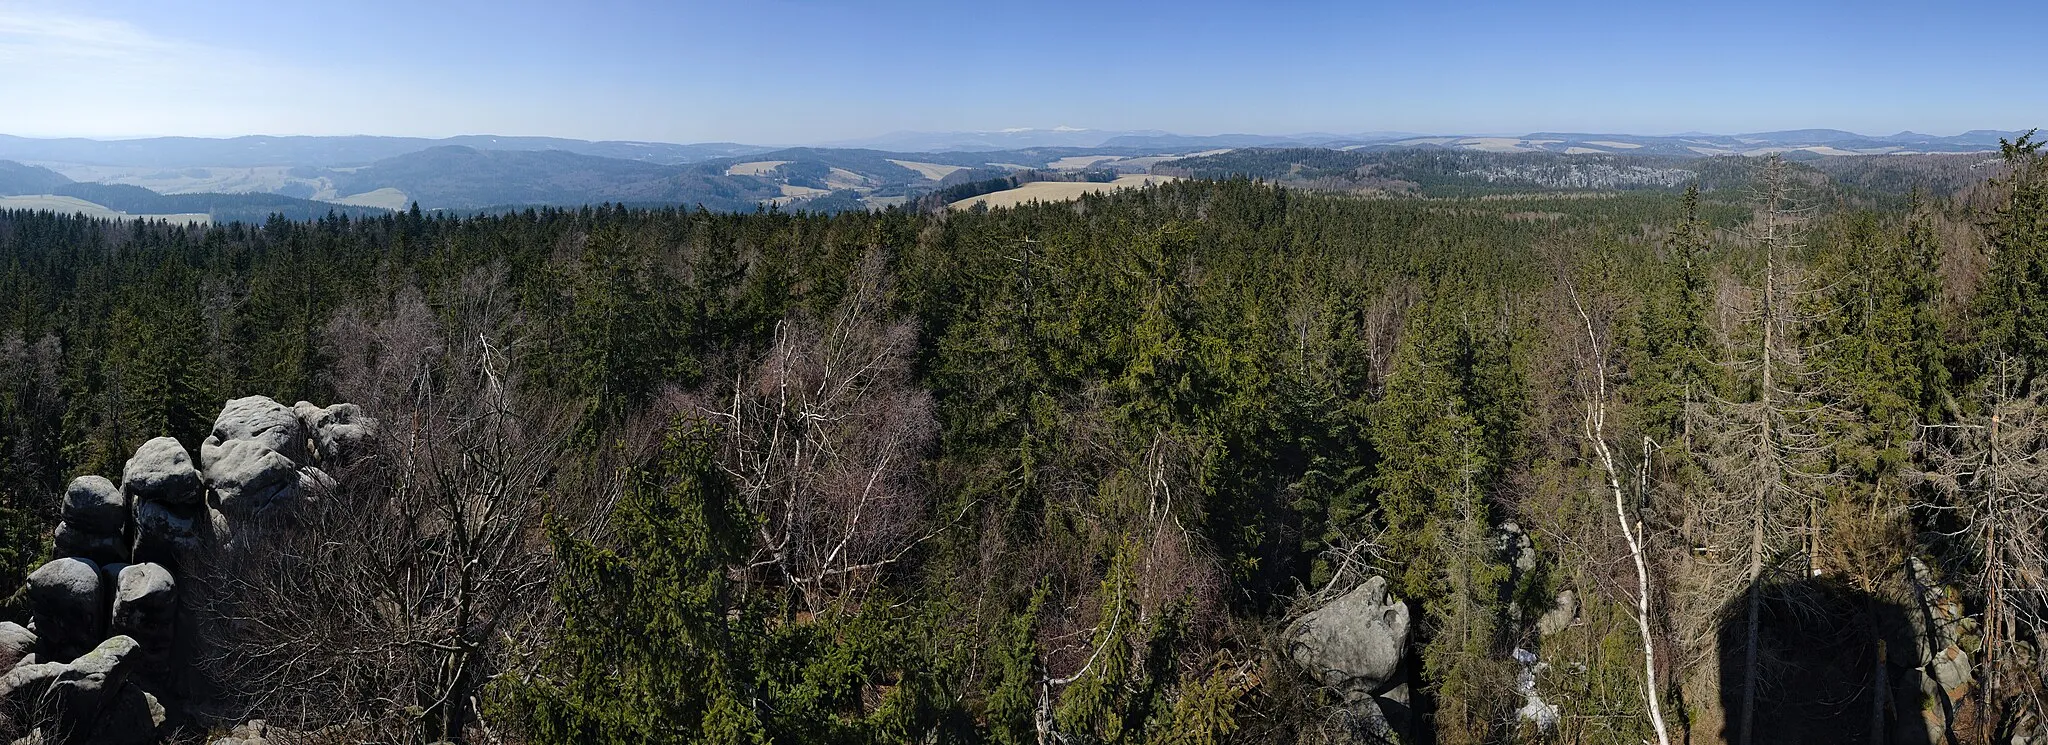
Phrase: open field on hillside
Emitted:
{"points": [[933, 171], [387, 198], [74, 205], [841, 178], [232, 180], [1131, 164], [1078, 162], [266, 179], [803, 192], [753, 168], [1057, 191]]}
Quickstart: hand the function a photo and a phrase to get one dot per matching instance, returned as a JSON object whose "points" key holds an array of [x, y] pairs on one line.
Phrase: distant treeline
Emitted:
{"points": [[1440, 172]]}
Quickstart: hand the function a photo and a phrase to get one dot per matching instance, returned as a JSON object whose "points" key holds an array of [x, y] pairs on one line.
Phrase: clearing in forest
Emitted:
{"points": [[1057, 191]]}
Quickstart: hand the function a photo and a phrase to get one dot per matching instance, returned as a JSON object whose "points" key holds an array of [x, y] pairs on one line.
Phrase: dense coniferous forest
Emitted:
{"points": [[1738, 465]]}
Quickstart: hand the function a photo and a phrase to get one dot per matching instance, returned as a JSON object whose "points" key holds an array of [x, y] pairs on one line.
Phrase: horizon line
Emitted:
{"points": [[849, 142]]}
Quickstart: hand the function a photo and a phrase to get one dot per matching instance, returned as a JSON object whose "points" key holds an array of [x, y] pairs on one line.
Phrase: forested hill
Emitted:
{"points": [[1208, 461], [1438, 172]]}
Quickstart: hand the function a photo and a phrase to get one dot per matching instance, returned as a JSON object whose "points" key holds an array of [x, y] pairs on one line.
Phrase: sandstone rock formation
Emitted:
{"points": [[1355, 646], [162, 471], [1937, 656], [16, 644], [1356, 643], [1561, 614], [65, 597], [98, 660], [95, 521], [89, 700], [145, 609]]}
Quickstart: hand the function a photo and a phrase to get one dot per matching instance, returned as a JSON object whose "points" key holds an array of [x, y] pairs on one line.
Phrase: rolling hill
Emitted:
{"points": [[31, 187], [242, 177]]}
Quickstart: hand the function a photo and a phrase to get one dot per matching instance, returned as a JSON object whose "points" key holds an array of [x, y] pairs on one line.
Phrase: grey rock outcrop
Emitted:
{"points": [[1356, 643], [1516, 548], [1939, 625], [336, 433], [94, 525], [1561, 615], [162, 471], [98, 672], [313, 482], [92, 701], [100, 548], [146, 610], [67, 600], [16, 643], [167, 533], [89, 700], [248, 478], [1934, 658], [108, 636], [93, 504], [1535, 710], [260, 420]]}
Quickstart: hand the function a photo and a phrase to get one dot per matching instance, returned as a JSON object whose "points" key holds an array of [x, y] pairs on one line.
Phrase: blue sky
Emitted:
{"points": [[797, 71]]}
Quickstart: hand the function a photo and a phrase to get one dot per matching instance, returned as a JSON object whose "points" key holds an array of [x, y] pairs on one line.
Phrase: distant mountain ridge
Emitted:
{"points": [[306, 174], [1023, 138], [359, 150], [329, 152]]}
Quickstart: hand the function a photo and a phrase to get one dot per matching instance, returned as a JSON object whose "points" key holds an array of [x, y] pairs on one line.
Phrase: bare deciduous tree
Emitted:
{"points": [[823, 435], [384, 608]]}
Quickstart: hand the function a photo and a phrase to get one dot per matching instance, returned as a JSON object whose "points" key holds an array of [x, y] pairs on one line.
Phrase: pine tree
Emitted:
{"points": [[2012, 309], [1438, 431], [656, 646]]}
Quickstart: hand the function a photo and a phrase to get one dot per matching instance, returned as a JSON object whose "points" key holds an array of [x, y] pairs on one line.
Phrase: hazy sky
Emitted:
{"points": [[790, 71]]}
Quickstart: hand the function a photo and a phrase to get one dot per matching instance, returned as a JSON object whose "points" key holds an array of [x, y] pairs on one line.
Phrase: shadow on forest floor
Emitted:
{"points": [[1835, 665]]}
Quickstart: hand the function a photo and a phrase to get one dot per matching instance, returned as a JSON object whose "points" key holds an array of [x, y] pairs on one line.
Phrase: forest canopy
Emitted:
{"points": [[1642, 465]]}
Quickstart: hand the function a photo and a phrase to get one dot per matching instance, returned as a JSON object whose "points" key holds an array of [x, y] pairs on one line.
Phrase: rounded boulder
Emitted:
{"points": [[162, 471], [16, 643], [1354, 644], [101, 548], [264, 421], [337, 433], [65, 597], [248, 477], [94, 505], [146, 609]]}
